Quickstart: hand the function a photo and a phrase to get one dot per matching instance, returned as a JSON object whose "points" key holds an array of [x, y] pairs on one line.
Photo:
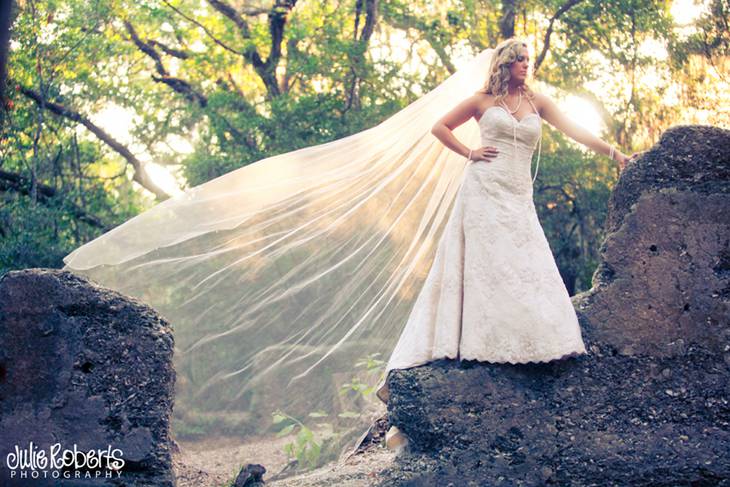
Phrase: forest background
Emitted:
{"points": [[109, 107]]}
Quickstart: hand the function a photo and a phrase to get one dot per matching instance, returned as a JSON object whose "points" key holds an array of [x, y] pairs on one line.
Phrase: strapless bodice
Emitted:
{"points": [[497, 125], [516, 141]]}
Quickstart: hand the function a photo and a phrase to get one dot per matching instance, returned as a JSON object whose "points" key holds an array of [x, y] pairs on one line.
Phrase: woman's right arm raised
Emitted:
{"points": [[442, 129]]}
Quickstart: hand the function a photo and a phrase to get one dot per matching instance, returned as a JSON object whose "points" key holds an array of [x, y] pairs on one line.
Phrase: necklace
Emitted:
{"points": [[514, 135], [519, 103]]}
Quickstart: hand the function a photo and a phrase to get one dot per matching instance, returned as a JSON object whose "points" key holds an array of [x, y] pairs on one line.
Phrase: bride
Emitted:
{"points": [[288, 279], [494, 293]]}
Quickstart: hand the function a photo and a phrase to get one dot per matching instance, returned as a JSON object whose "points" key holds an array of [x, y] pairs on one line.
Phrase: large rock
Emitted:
{"points": [[82, 365], [663, 280], [649, 404]]}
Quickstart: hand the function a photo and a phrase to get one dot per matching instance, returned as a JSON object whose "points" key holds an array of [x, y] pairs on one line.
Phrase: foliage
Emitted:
{"points": [[372, 365], [306, 448], [700, 63], [570, 197], [181, 83]]}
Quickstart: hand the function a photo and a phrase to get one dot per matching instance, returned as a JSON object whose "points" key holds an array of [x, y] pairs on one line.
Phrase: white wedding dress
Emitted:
{"points": [[493, 292]]}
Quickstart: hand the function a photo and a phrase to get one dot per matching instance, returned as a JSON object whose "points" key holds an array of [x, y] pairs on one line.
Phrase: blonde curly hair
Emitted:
{"points": [[498, 77]]}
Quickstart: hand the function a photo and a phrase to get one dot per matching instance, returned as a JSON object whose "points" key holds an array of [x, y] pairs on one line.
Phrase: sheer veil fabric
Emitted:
{"points": [[288, 281]]}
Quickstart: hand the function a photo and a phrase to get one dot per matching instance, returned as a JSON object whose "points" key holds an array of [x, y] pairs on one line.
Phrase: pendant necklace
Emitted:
{"points": [[519, 103]]}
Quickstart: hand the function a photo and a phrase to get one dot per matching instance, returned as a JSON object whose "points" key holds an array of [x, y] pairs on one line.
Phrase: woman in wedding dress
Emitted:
{"points": [[286, 279], [494, 293]]}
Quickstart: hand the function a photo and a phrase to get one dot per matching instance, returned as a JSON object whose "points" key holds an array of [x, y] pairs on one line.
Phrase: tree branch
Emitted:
{"points": [[6, 20], [546, 43], [358, 59], [205, 29], [15, 182], [170, 50], [140, 174], [250, 53], [277, 21], [406, 21], [371, 18], [507, 22], [179, 85]]}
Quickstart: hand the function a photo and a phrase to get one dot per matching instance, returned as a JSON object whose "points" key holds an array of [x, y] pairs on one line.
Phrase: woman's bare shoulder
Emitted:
{"points": [[482, 101], [481, 96], [540, 99]]}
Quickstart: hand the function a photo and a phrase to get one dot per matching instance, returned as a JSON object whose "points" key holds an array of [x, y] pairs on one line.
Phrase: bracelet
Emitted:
{"points": [[611, 153], [469, 158]]}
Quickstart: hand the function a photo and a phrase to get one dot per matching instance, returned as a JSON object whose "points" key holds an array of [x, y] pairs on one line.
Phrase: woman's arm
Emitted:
{"points": [[442, 129], [560, 121]]}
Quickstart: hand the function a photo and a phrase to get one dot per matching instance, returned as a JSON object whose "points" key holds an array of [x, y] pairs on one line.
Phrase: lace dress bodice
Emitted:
{"points": [[516, 141]]}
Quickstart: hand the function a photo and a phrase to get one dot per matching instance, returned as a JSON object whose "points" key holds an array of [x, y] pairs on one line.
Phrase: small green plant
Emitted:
{"points": [[305, 448], [372, 365], [355, 385]]}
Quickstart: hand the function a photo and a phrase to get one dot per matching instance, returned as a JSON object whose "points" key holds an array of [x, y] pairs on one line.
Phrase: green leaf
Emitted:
{"points": [[285, 431]]}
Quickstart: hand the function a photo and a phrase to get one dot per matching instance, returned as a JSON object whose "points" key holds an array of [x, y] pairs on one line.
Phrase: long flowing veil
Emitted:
{"points": [[288, 281]]}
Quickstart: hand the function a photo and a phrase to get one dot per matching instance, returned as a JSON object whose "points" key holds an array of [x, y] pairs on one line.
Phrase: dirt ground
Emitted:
{"points": [[215, 463]]}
